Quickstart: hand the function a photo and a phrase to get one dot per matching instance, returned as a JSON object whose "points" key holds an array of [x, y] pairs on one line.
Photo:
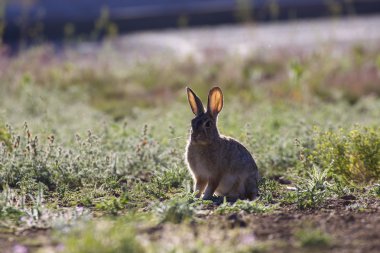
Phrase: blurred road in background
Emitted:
{"points": [[244, 40], [33, 21]]}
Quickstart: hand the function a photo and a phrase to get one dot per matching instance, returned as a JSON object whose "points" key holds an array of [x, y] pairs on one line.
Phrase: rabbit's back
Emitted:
{"points": [[235, 157], [240, 173], [227, 159]]}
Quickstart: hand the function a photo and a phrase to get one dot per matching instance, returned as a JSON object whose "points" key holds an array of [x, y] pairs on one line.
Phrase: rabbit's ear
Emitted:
{"points": [[215, 101], [195, 103]]}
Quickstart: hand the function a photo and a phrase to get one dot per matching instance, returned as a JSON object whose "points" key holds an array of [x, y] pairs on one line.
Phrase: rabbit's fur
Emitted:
{"points": [[218, 164]]}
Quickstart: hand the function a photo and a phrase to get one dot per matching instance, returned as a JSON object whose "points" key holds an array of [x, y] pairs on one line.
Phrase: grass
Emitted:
{"points": [[104, 236], [313, 238], [176, 210], [242, 206], [83, 141]]}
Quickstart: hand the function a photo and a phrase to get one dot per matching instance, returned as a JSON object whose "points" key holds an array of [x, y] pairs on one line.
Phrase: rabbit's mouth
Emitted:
{"points": [[202, 142], [199, 140]]}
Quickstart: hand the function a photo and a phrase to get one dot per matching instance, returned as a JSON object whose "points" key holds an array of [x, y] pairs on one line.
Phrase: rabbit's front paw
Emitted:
{"points": [[207, 197]]}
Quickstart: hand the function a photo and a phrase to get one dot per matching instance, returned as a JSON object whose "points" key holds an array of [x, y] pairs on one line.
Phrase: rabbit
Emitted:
{"points": [[218, 164]]}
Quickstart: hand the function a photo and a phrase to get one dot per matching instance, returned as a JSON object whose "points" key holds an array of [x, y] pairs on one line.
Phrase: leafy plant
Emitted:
{"points": [[112, 205], [269, 190], [176, 210], [5, 138], [313, 190], [354, 155]]}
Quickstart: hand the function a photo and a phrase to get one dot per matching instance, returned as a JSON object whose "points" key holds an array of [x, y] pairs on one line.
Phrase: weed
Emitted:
{"points": [[111, 206], [176, 210], [5, 138], [269, 190], [313, 190], [7, 210], [376, 190], [103, 236], [313, 238], [354, 155]]}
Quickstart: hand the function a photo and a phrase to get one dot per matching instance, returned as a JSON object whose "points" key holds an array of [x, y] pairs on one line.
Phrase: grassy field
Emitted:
{"points": [[92, 152]]}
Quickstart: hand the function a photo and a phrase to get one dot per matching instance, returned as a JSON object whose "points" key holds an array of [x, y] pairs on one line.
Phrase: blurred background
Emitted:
{"points": [[36, 20], [126, 54]]}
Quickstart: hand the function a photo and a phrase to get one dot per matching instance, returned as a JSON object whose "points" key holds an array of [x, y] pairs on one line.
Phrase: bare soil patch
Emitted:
{"points": [[352, 225]]}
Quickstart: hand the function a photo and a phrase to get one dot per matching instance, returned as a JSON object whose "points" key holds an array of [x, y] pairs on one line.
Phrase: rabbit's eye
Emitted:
{"points": [[208, 124]]}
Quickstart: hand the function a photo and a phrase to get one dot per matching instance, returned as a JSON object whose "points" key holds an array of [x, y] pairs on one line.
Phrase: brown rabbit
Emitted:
{"points": [[218, 164]]}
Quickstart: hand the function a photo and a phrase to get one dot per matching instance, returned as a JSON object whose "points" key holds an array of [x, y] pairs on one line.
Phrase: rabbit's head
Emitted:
{"points": [[203, 126]]}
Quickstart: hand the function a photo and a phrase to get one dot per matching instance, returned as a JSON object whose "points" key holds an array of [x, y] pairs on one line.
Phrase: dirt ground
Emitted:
{"points": [[351, 230], [352, 226]]}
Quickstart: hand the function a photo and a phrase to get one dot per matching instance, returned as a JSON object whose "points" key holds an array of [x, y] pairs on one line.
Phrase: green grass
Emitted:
{"points": [[243, 206], [104, 236], [78, 142], [314, 238]]}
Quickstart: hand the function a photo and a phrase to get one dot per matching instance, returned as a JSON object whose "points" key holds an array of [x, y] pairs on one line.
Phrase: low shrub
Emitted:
{"points": [[313, 238], [353, 155]]}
